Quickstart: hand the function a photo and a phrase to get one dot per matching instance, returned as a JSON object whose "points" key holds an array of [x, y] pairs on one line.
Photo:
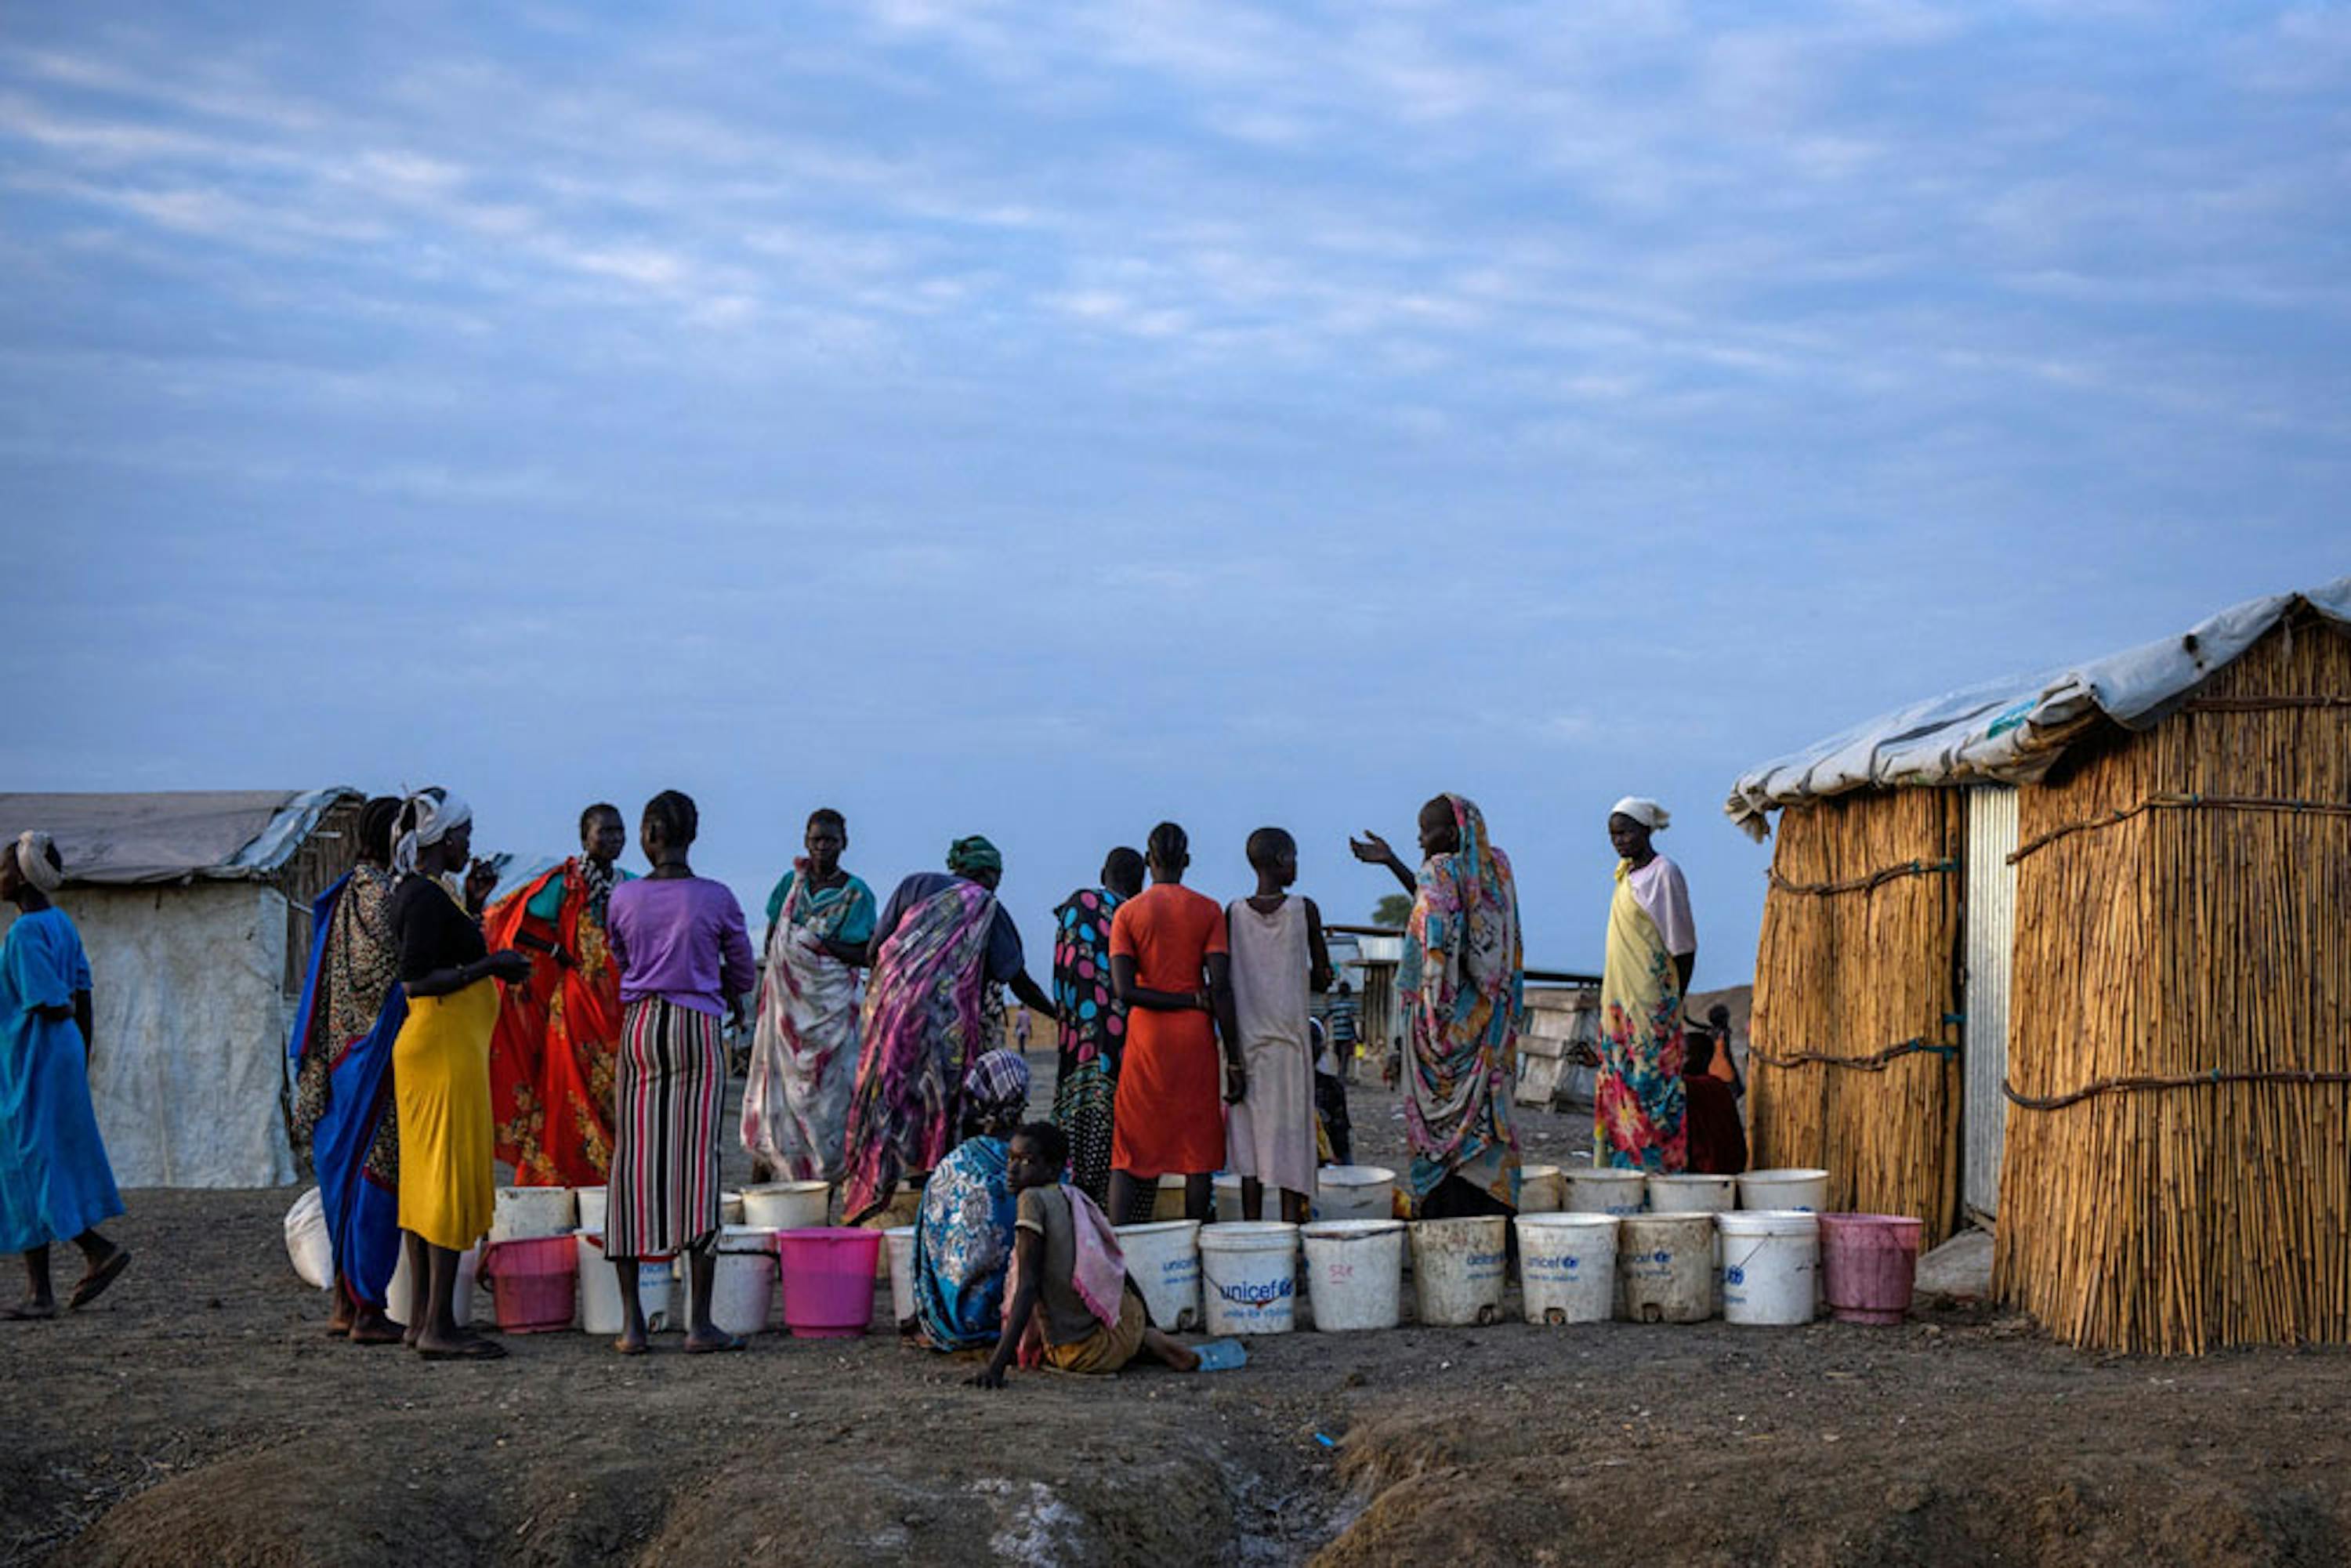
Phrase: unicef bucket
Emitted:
{"points": [[1353, 1269], [1249, 1281], [1162, 1259], [1567, 1267], [1771, 1265]]}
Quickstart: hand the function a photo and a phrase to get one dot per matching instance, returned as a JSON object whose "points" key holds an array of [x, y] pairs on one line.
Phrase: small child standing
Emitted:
{"points": [[1279, 961], [1069, 1304]]}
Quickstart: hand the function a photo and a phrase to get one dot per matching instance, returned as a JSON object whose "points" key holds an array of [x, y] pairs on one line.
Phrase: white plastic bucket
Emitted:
{"points": [[1664, 1265], [787, 1204], [527, 1213], [898, 1242], [1248, 1281], [592, 1207], [1228, 1200], [1604, 1189], [1784, 1190], [1692, 1194], [600, 1290], [1355, 1192], [1162, 1259], [1355, 1269], [1567, 1267], [461, 1306], [1458, 1267], [742, 1280], [1167, 1201], [1771, 1265], [730, 1209], [1542, 1189]]}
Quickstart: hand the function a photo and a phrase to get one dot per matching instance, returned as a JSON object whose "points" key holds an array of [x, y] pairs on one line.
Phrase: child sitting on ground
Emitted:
{"points": [[1069, 1304], [1718, 1141]]}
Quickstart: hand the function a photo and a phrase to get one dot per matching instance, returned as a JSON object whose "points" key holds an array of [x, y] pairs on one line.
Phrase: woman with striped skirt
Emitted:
{"points": [[684, 960]]}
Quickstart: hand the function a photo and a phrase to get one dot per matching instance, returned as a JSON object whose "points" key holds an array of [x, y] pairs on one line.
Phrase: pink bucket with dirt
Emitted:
{"points": [[1869, 1263], [827, 1280], [535, 1280]]}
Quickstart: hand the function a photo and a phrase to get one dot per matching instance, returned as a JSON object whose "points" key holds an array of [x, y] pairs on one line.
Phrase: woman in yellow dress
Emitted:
{"points": [[441, 1068]]}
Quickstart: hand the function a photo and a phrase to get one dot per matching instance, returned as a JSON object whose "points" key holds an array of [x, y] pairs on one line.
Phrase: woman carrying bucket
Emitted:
{"points": [[1639, 1103], [1461, 988]]}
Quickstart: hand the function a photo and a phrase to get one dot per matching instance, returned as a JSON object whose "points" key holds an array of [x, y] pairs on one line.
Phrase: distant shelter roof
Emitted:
{"points": [[173, 836]]}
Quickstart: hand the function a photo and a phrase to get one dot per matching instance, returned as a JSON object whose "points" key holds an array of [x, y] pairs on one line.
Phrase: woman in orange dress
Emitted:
{"points": [[1169, 965]]}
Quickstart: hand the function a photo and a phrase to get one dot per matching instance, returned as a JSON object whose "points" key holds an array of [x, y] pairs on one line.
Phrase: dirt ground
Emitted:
{"points": [[197, 1414]]}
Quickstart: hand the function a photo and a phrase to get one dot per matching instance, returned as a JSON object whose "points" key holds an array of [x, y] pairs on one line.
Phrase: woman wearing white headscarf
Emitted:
{"points": [[440, 1067], [55, 1182], [1652, 948]]}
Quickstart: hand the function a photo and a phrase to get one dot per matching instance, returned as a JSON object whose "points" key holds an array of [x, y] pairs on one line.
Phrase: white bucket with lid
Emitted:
{"points": [[1692, 1194], [1785, 1189], [898, 1241], [600, 1289], [787, 1204], [1249, 1278], [527, 1213], [461, 1304], [1355, 1273], [1771, 1265], [742, 1280], [1542, 1189], [1355, 1192], [1162, 1259], [1567, 1267], [591, 1200], [1604, 1189], [1457, 1268], [1665, 1267]]}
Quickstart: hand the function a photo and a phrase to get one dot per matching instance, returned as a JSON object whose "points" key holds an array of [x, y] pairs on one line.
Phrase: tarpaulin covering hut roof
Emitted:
{"points": [[2011, 731], [123, 840]]}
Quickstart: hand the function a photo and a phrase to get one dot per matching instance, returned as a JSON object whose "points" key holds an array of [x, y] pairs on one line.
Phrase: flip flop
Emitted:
{"points": [[622, 1347], [732, 1342], [1221, 1355], [472, 1350], [95, 1283]]}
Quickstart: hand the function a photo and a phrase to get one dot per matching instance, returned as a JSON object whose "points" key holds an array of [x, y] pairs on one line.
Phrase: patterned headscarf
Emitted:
{"points": [[33, 856], [997, 1087], [436, 813], [969, 857]]}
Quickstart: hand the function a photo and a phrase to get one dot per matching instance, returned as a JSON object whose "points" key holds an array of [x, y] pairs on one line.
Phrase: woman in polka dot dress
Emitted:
{"points": [[1090, 1022]]}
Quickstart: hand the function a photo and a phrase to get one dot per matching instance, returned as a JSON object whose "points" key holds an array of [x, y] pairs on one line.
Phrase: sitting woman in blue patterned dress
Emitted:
{"points": [[962, 1242]]}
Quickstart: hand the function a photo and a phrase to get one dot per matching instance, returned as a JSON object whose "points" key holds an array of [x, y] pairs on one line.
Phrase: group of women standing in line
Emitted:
{"points": [[394, 1044]]}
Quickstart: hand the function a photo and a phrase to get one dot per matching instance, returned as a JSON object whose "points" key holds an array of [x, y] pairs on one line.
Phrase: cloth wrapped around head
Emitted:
{"points": [[1646, 812], [969, 857], [997, 1087], [431, 815], [32, 848]]}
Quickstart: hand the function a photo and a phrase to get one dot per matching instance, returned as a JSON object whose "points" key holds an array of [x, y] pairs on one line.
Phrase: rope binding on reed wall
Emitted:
{"points": [[1861, 883], [2183, 1081], [1876, 1062], [2182, 802]]}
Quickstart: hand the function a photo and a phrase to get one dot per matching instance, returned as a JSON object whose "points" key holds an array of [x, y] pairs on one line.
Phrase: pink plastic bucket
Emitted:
{"points": [[827, 1280], [1868, 1264], [535, 1281]]}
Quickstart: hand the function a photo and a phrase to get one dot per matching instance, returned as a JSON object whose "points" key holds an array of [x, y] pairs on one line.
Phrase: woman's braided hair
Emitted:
{"points": [[672, 813]]}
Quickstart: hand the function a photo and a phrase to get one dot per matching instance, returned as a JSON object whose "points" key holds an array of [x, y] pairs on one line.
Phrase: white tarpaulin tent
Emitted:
{"points": [[193, 907], [2011, 731]]}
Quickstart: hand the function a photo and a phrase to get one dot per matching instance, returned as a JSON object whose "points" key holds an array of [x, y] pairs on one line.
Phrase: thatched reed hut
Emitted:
{"points": [[2073, 953]]}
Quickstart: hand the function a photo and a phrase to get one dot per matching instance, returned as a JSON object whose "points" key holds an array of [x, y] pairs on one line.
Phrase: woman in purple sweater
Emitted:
{"points": [[684, 960]]}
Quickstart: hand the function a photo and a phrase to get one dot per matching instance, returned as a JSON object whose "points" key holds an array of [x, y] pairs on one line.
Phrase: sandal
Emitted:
{"points": [[94, 1283], [471, 1350], [714, 1347]]}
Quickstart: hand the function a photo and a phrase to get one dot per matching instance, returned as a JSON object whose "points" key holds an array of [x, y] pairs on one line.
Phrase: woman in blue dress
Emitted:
{"points": [[55, 1182], [962, 1242]]}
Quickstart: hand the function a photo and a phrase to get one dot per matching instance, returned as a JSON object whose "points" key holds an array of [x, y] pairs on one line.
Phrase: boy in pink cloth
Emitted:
{"points": [[1068, 1303]]}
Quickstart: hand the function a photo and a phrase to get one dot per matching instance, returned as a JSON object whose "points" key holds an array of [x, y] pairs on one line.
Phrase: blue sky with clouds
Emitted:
{"points": [[1042, 420]]}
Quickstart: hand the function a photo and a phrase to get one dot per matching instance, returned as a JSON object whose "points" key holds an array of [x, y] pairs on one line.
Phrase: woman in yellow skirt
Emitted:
{"points": [[441, 1068]]}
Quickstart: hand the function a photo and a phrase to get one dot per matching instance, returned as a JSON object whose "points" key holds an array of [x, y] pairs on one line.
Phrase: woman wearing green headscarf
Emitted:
{"points": [[941, 947]]}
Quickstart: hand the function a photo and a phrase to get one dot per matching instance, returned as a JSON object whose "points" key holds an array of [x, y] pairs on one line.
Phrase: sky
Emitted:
{"points": [[1044, 420]]}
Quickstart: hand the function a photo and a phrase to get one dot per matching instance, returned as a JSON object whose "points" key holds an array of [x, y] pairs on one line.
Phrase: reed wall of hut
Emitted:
{"points": [[2177, 1175], [1853, 1044]]}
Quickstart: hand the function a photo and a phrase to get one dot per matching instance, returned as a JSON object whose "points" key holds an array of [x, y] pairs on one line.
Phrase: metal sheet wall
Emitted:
{"points": [[1991, 955]]}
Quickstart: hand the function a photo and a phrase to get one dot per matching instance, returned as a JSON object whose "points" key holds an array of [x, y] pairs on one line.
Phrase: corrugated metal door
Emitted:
{"points": [[1990, 952]]}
